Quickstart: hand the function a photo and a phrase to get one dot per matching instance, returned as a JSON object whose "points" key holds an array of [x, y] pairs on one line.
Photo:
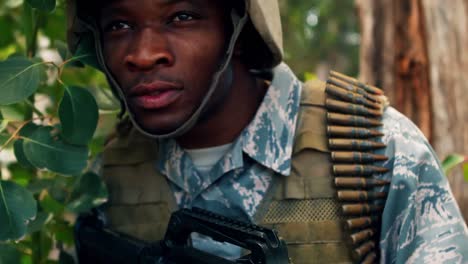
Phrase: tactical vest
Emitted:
{"points": [[327, 210]]}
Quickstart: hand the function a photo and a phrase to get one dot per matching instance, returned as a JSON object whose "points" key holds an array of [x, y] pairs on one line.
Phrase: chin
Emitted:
{"points": [[157, 127], [160, 122]]}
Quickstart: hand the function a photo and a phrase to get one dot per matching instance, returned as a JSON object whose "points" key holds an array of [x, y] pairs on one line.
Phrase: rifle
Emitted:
{"points": [[97, 244]]}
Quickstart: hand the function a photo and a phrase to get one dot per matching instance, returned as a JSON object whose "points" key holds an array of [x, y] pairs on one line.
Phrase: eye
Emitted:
{"points": [[182, 17], [117, 26]]}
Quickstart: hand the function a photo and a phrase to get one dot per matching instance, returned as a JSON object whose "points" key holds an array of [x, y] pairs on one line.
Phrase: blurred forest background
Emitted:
{"points": [[413, 49]]}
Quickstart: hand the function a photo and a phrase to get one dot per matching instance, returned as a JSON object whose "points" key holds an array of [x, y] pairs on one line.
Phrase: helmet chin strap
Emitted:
{"points": [[223, 74], [221, 93]]}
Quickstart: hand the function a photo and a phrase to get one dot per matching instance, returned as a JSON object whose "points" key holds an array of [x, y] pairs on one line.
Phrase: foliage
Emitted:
{"points": [[48, 119], [19, 79], [454, 160], [320, 34], [17, 207]]}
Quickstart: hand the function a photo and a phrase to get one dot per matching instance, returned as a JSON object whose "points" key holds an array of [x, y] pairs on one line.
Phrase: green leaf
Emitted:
{"points": [[3, 123], [19, 154], [15, 112], [96, 146], [26, 259], [452, 161], [7, 51], [55, 28], [86, 51], [62, 49], [9, 254], [36, 186], [61, 188], [18, 149], [17, 208], [90, 191], [28, 130], [20, 175], [4, 138], [465, 171], [19, 78], [63, 232], [44, 151], [78, 115], [7, 34], [43, 5], [105, 99], [38, 223], [49, 204]]}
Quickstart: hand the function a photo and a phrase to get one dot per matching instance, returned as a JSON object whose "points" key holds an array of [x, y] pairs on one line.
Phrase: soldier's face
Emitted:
{"points": [[163, 54]]}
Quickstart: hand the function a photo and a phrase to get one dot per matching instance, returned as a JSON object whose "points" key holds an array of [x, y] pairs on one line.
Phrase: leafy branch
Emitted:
{"points": [[45, 151]]}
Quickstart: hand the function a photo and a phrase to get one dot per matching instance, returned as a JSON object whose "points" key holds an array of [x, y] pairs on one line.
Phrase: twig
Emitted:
{"points": [[73, 59], [35, 110], [62, 66], [13, 136]]}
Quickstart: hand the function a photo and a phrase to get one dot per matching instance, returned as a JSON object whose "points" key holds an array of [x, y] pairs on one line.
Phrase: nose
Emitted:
{"points": [[150, 49]]}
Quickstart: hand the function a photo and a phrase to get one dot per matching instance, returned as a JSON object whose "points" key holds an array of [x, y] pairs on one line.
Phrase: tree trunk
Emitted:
{"points": [[414, 50]]}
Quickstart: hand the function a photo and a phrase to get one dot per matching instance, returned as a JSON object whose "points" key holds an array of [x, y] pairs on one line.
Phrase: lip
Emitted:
{"points": [[155, 95]]}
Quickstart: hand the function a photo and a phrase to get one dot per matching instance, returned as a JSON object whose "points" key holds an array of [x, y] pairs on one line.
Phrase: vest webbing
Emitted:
{"points": [[326, 190]]}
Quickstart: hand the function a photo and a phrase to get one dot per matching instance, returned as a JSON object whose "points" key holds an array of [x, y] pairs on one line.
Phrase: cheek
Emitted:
{"points": [[199, 57], [205, 47], [207, 53], [114, 53]]}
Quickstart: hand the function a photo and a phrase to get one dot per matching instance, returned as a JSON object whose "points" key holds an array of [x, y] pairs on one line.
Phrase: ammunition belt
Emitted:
{"points": [[354, 113]]}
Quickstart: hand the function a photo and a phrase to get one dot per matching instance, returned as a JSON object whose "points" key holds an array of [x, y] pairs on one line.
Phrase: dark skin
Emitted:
{"points": [[163, 54]]}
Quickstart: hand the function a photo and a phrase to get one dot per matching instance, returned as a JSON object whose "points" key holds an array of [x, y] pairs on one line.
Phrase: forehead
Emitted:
{"points": [[158, 3], [110, 8]]}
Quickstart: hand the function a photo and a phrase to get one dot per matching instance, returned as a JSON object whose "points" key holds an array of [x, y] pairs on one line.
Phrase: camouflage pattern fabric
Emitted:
{"points": [[421, 222]]}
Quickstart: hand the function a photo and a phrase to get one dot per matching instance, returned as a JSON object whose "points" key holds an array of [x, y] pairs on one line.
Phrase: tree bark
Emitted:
{"points": [[414, 50]]}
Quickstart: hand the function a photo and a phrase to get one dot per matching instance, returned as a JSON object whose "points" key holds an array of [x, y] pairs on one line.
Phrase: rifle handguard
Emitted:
{"points": [[96, 244], [264, 244]]}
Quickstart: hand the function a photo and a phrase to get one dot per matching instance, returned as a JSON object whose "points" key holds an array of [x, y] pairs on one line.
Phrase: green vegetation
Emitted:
{"points": [[49, 112], [319, 35], [453, 161]]}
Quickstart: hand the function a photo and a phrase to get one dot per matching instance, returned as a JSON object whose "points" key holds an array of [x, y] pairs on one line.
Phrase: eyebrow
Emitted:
{"points": [[113, 6], [176, 1], [171, 1], [164, 2]]}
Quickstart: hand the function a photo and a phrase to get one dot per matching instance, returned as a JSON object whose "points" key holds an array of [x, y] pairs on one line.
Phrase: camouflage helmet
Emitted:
{"points": [[264, 47]]}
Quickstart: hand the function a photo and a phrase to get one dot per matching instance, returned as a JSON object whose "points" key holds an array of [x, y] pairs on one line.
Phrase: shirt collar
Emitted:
{"points": [[268, 139]]}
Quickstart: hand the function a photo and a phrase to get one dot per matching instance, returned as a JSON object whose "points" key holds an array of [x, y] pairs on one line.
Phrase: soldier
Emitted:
{"points": [[215, 120]]}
